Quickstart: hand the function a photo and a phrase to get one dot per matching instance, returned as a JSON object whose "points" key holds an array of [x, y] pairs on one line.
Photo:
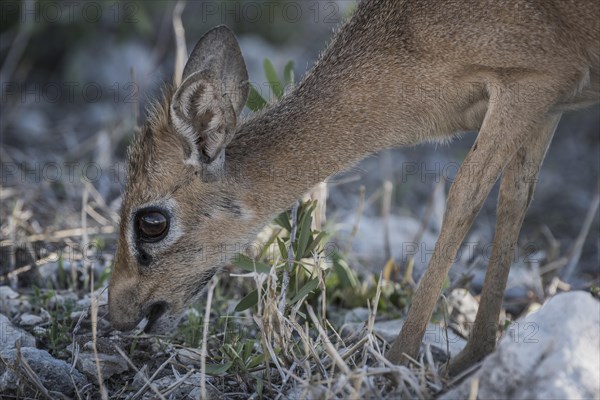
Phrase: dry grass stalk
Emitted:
{"points": [[181, 48], [94, 300], [211, 289], [285, 280], [146, 380]]}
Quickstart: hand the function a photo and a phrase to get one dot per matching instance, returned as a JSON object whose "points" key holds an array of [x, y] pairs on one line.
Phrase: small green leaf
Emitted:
{"points": [[256, 360], [218, 369], [288, 73], [255, 100], [346, 276], [247, 349], [282, 249], [305, 290], [284, 221], [62, 276], [248, 264], [259, 387], [272, 78], [250, 300], [304, 234], [312, 245]]}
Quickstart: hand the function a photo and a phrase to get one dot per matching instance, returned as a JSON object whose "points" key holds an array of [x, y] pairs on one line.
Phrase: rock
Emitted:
{"points": [[31, 320], [553, 353], [435, 336], [462, 310], [101, 296], [189, 357], [522, 281], [10, 335], [190, 388], [62, 300], [368, 242], [140, 378], [109, 365], [6, 293], [111, 362], [359, 314], [52, 373], [11, 303]]}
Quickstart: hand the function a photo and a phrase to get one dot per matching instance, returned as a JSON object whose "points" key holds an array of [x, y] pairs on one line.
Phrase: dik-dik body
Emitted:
{"points": [[397, 73]]}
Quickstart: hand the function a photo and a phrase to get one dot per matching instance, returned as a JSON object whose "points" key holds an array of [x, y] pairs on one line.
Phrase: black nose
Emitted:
{"points": [[153, 313]]}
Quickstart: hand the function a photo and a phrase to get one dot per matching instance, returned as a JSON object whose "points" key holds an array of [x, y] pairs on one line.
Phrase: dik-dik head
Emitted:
{"points": [[180, 209]]}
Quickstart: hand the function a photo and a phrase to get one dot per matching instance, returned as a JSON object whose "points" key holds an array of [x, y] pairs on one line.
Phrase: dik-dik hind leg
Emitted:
{"points": [[508, 124], [516, 193]]}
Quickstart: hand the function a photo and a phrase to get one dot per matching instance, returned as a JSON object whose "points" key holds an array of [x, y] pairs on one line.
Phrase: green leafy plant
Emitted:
{"points": [[307, 244], [56, 336], [256, 101]]}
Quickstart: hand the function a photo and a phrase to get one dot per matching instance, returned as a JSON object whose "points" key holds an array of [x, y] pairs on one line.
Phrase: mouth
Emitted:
{"points": [[153, 313]]}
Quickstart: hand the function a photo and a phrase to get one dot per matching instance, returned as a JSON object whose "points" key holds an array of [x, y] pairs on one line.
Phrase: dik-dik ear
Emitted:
{"points": [[212, 94]]}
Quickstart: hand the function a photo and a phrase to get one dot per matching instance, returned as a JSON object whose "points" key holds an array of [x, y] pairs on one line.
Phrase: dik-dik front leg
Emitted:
{"points": [[510, 122], [516, 193]]}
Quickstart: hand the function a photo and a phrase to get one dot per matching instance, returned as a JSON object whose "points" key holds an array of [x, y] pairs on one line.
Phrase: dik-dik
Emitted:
{"points": [[397, 73]]}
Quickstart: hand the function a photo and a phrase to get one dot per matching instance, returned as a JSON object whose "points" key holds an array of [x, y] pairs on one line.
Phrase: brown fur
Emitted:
{"points": [[396, 74]]}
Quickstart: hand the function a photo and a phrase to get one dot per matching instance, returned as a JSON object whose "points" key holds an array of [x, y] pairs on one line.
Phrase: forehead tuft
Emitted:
{"points": [[155, 156], [156, 127]]}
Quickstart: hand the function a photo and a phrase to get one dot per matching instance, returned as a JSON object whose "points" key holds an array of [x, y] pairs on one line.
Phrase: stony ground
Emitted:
{"points": [[62, 173]]}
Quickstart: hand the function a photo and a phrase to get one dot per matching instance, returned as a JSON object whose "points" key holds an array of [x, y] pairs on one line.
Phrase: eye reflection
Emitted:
{"points": [[152, 225]]}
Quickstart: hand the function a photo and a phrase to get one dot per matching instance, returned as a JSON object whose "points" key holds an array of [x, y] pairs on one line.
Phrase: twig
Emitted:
{"points": [[84, 238], [339, 361], [373, 311], [12, 229], [179, 382], [285, 280], [32, 377], [386, 205], [211, 289], [357, 216], [96, 215], [575, 252], [28, 267], [319, 193], [101, 202], [474, 389], [66, 233], [181, 48], [94, 301], [146, 385], [136, 98], [132, 365], [19, 44]]}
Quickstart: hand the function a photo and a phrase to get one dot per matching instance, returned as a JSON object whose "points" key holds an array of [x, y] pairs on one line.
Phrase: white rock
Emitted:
{"points": [[436, 336], [462, 310], [10, 335], [55, 375], [359, 314], [11, 303], [31, 320], [439, 338], [109, 365], [7, 293], [189, 357], [368, 243], [553, 353]]}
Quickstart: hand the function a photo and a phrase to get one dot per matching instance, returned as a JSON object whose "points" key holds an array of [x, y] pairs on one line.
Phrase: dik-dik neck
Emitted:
{"points": [[322, 128]]}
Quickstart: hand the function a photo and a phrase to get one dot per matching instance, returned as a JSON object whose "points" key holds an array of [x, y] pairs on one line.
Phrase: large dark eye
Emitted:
{"points": [[152, 225]]}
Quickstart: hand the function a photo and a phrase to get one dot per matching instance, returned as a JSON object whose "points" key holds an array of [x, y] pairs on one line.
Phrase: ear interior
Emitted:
{"points": [[219, 51], [204, 117], [214, 91]]}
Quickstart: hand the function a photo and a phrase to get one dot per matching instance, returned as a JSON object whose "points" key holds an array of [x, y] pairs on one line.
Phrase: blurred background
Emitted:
{"points": [[75, 77]]}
